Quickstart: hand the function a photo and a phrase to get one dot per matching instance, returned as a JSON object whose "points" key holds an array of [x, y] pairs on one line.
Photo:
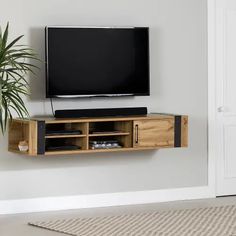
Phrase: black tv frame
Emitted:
{"points": [[93, 95]]}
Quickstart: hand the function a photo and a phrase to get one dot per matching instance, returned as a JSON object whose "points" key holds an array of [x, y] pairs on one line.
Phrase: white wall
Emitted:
{"points": [[178, 41]]}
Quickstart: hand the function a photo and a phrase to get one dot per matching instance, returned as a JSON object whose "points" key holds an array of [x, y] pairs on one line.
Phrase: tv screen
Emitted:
{"points": [[108, 61]]}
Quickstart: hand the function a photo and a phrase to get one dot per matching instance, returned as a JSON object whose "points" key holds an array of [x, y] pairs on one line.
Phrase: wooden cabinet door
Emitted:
{"points": [[153, 133]]}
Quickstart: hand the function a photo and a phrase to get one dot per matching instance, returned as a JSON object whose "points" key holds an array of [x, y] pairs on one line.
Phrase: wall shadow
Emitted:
{"points": [[37, 81]]}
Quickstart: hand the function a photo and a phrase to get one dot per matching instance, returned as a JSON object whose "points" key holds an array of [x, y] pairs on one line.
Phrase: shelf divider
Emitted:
{"points": [[109, 134]]}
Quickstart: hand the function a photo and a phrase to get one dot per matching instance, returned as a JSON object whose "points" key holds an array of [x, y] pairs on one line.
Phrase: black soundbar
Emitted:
{"points": [[101, 112]]}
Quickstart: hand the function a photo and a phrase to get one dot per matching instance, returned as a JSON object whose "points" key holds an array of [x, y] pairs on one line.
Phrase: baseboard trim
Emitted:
{"points": [[103, 200]]}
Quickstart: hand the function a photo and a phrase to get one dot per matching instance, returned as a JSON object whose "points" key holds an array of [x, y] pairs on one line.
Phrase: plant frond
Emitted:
{"points": [[15, 64]]}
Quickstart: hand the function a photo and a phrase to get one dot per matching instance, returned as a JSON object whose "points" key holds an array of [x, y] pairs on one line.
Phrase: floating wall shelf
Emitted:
{"points": [[49, 136]]}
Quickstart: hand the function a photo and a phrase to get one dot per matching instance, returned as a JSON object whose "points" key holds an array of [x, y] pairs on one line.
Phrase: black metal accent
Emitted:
{"points": [[41, 137], [177, 134]]}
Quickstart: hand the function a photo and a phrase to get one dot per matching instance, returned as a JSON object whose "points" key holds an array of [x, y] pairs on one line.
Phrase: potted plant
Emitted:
{"points": [[14, 66]]}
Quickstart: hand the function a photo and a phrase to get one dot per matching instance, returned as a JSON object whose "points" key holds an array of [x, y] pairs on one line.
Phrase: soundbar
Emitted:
{"points": [[101, 112]]}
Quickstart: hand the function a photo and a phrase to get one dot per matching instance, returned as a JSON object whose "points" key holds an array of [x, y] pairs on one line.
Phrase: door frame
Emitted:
{"points": [[212, 124]]}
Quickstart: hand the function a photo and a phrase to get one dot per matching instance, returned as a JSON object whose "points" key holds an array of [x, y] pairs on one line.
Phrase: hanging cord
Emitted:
{"points": [[53, 113]]}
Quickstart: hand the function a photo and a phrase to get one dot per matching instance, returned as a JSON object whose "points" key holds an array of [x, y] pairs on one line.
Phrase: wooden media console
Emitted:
{"points": [[50, 136]]}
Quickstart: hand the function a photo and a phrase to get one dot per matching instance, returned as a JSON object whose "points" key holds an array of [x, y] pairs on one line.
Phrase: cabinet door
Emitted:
{"points": [[153, 133]]}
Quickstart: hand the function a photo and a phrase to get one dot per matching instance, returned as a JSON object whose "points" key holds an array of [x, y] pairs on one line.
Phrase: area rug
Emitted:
{"points": [[212, 221]]}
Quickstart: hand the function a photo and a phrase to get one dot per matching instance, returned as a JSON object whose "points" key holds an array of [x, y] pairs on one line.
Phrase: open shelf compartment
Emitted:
{"points": [[110, 132], [18, 131], [66, 134], [66, 130], [57, 144]]}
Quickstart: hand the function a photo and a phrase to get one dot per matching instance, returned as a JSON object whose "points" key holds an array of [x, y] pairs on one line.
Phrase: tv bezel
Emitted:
{"points": [[48, 95]]}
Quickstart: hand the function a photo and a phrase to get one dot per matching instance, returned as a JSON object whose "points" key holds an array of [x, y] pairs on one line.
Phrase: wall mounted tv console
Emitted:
{"points": [[52, 136]]}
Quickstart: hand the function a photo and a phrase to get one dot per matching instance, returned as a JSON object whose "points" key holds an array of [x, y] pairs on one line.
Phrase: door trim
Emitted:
{"points": [[212, 141]]}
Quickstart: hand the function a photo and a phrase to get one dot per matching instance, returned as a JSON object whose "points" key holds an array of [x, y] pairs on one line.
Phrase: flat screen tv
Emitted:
{"points": [[97, 61]]}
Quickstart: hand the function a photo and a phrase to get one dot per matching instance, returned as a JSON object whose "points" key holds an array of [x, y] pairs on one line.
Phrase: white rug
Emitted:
{"points": [[212, 221]]}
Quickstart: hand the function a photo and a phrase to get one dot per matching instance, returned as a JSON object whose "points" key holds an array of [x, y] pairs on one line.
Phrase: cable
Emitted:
{"points": [[53, 113]]}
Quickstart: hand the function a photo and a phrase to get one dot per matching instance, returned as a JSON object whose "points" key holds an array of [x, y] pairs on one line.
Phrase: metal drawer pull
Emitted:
{"points": [[136, 133]]}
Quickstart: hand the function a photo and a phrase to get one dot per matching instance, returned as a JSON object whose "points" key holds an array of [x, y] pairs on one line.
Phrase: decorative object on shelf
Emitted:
{"points": [[14, 66], [63, 132], [23, 146], [63, 148], [104, 144]]}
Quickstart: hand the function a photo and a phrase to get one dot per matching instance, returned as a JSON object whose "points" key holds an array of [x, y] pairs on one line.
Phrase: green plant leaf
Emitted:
{"points": [[15, 64], [5, 36]]}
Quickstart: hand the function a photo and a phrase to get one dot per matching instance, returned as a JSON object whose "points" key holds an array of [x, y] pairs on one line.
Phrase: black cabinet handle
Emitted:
{"points": [[136, 133]]}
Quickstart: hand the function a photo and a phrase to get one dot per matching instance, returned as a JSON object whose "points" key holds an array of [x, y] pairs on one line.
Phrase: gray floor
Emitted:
{"points": [[16, 225]]}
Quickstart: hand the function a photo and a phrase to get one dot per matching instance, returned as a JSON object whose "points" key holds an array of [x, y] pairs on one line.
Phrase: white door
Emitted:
{"points": [[226, 97]]}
